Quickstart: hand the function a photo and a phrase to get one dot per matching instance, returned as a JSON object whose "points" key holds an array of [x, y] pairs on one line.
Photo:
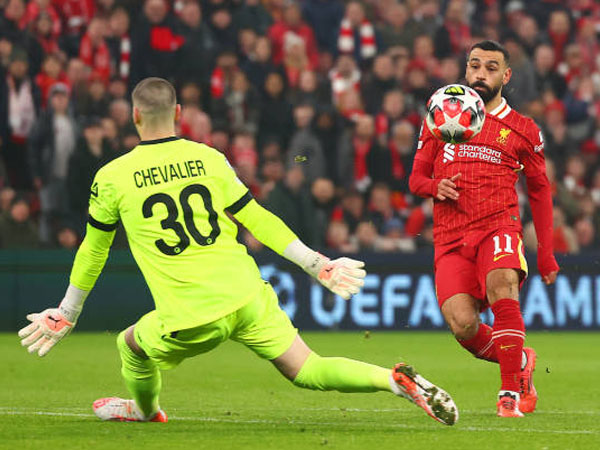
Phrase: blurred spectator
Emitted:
{"points": [[452, 38], [7, 195], [345, 77], [521, 88], [565, 239], [559, 32], [450, 71], [291, 201], [401, 145], [17, 230], [395, 30], [305, 150], [93, 50], [357, 34], [195, 125], [20, 101], [292, 27], [239, 107], [245, 160], [253, 15], [529, 35], [52, 73], [324, 16], [90, 154], [323, 194], [338, 237], [546, 78], [258, 64], [295, 59], [276, 112], [222, 28], [374, 88], [75, 16], [67, 238], [311, 90], [41, 29], [361, 160], [119, 43], [37, 7], [155, 43], [51, 145], [326, 130]]}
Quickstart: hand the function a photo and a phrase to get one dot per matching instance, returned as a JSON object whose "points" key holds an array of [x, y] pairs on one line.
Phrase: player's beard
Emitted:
{"points": [[486, 92]]}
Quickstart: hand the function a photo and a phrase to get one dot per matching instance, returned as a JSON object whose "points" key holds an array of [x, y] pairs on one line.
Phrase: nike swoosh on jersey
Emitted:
{"points": [[497, 257]]}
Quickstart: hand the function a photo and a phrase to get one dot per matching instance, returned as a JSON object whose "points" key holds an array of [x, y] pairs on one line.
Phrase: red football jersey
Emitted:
{"points": [[489, 165]]}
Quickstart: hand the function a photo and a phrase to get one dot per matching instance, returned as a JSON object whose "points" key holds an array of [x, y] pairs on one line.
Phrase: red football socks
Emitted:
{"points": [[508, 335], [481, 345]]}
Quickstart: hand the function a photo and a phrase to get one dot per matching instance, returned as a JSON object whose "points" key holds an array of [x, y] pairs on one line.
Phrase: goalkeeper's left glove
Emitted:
{"points": [[45, 330]]}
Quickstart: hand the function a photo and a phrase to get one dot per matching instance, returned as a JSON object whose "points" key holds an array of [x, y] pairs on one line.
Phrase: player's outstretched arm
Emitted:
{"points": [[342, 276], [540, 200], [48, 327]]}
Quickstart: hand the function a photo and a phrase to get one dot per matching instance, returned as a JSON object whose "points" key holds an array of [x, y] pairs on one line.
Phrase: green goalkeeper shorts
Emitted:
{"points": [[261, 325]]}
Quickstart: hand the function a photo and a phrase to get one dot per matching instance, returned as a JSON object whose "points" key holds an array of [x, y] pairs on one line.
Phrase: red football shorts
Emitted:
{"points": [[462, 267]]}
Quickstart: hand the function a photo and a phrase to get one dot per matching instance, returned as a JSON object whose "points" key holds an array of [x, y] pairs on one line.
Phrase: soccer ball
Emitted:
{"points": [[455, 113]]}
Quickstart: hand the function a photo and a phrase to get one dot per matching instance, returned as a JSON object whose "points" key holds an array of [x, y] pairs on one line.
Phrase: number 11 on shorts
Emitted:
{"points": [[497, 247]]}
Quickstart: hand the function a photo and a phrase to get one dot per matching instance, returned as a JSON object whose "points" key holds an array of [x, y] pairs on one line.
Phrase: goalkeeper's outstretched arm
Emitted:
{"points": [[343, 276], [50, 326]]}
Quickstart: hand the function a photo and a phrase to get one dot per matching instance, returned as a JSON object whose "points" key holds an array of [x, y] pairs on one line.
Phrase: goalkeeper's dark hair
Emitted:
{"points": [[492, 46], [155, 98]]}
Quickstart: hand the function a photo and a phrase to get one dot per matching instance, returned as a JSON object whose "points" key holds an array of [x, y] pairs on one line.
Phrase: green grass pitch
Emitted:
{"points": [[230, 399]]}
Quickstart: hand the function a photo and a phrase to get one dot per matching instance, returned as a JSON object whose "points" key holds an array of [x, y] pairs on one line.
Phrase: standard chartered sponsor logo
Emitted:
{"points": [[480, 152]]}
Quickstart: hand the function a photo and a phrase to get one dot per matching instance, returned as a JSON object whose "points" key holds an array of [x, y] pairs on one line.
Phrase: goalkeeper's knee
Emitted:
{"points": [[132, 364]]}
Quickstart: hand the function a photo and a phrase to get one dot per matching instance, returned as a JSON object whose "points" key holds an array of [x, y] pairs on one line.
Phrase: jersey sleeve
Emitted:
{"points": [[103, 210], [426, 145], [531, 155], [236, 194]]}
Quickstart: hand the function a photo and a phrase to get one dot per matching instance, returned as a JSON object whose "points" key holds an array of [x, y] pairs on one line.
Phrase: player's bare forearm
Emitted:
{"points": [[540, 200]]}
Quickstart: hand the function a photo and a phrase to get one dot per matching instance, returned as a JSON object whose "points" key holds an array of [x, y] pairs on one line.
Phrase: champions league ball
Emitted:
{"points": [[455, 113]]}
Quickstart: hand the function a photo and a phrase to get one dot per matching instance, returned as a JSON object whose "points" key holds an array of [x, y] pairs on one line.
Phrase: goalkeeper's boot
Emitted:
{"points": [[121, 410], [528, 393], [436, 402], [508, 404]]}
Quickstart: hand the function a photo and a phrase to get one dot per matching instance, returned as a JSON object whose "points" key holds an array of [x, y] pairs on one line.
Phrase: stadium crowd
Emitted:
{"points": [[316, 103]]}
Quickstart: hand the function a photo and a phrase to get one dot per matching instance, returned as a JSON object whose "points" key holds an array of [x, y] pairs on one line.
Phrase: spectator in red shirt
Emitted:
{"points": [[52, 73], [93, 50], [35, 8], [292, 23]]}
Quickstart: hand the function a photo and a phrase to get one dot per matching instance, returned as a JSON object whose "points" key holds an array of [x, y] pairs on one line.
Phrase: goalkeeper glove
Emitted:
{"points": [[342, 276], [45, 330]]}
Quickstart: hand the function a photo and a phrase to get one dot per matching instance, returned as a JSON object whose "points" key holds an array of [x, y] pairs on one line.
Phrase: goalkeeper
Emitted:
{"points": [[175, 198]]}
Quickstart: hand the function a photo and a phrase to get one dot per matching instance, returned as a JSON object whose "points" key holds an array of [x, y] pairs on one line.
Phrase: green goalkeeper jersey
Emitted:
{"points": [[172, 196]]}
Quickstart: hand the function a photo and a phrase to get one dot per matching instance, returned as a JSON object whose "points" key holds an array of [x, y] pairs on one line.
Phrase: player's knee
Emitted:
{"points": [[464, 327], [502, 283]]}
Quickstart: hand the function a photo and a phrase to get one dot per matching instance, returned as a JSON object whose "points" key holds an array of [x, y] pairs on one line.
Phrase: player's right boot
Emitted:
{"points": [[436, 402], [121, 410], [508, 404], [528, 393]]}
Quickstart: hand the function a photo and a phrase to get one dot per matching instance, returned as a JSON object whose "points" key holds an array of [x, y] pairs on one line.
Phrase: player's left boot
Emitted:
{"points": [[121, 410], [528, 393], [436, 402], [508, 404]]}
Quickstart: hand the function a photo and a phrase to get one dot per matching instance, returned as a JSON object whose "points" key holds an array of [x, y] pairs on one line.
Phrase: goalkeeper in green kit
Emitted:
{"points": [[174, 198]]}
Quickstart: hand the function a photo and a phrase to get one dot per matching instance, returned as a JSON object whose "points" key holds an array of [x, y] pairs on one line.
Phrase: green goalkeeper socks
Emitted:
{"points": [[342, 374], [141, 376]]}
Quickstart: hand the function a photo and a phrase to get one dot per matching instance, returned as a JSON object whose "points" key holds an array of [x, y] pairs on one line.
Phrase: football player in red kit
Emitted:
{"points": [[479, 260]]}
